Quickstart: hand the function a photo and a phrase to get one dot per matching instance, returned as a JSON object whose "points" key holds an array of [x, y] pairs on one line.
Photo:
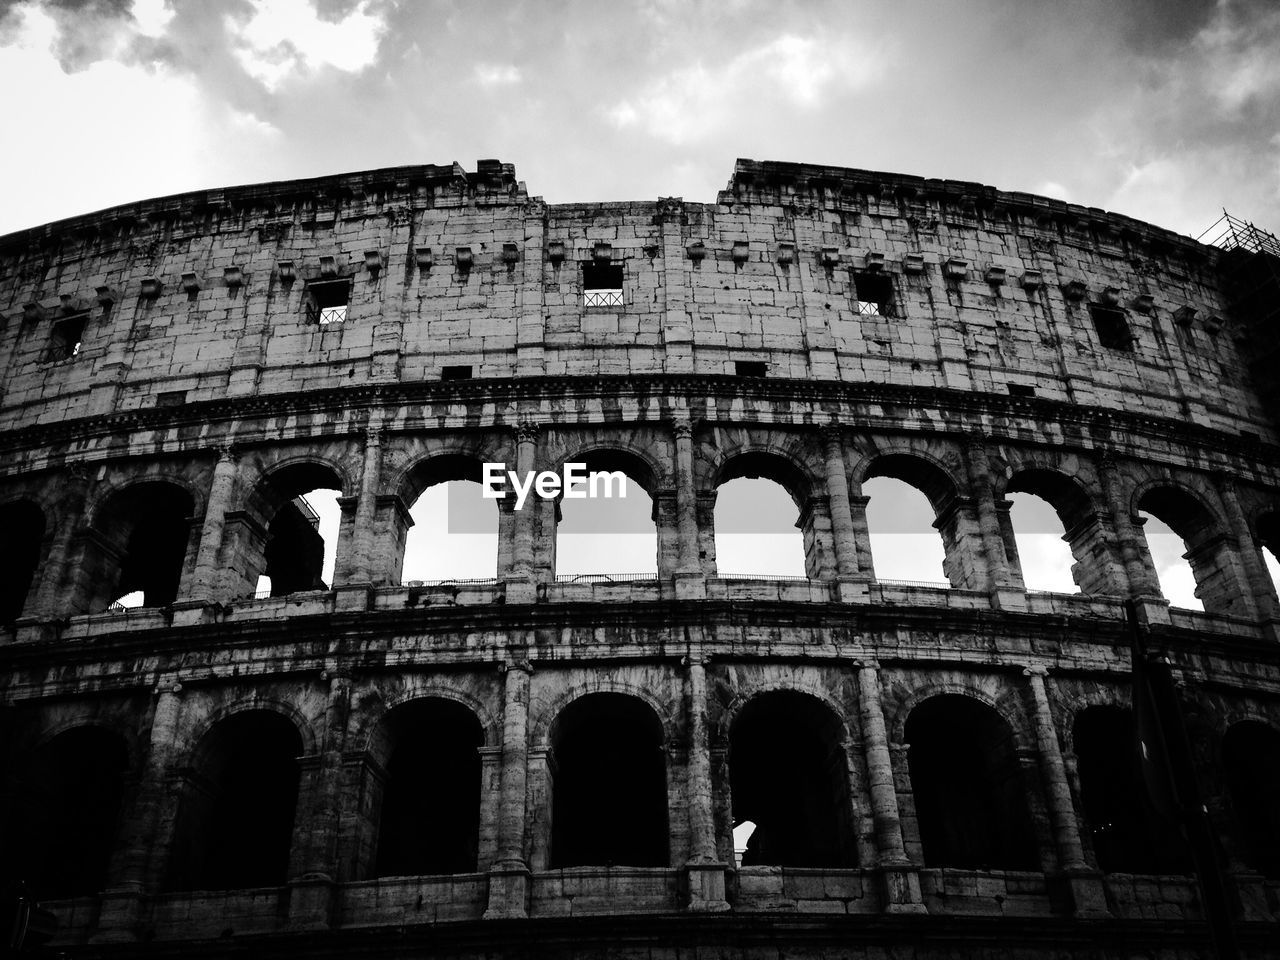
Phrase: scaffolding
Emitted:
{"points": [[1231, 233]]}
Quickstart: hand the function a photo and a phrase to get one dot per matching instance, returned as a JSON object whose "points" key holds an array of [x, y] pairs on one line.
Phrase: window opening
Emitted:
{"points": [[756, 533], [905, 545], [1174, 574], [1251, 762], [1113, 328], [302, 545], [458, 372], [1042, 549], [66, 337], [327, 301], [750, 368], [454, 534], [1021, 390], [873, 294], [601, 284]]}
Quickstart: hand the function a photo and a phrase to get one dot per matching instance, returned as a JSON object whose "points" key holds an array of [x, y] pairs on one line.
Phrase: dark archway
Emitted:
{"points": [[430, 806], [1251, 762], [1127, 835], [138, 546], [789, 776], [23, 524], [969, 793], [609, 784], [235, 823], [62, 825]]}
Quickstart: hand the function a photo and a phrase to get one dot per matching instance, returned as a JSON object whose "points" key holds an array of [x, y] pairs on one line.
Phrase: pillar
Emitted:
{"points": [[366, 503], [206, 580], [844, 532], [146, 833], [509, 876], [1086, 884], [689, 581], [1005, 594], [1257, 580], [520, 587], [862, 535], [1132, 550], [900, 878], [706, 872], [50, 596]]}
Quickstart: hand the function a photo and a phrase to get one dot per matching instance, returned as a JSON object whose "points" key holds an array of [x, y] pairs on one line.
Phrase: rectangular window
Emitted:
{"points": [[171, 398], [459, 372], [750, 368], [327, 301], [1113, 328], [873, 294], [65, 339], [1021, 390], [601, 284]]}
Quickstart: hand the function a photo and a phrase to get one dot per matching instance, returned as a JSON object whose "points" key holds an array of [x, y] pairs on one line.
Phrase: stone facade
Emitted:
{"points": [[528, 765]]}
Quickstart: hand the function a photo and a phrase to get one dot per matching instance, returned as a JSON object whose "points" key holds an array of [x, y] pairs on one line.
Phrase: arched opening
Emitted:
{"points": [[138, 546], [916, 529], [606, 533], [789, 777], [1127, 835], [65, 814], [1251, 763], [430, 804], [609, 784], [761, 500], [301, 548], [1192, 563], [1268, 540], [969, 793], [454, 534], [23, 525], [1058, 537], [235, 821]]}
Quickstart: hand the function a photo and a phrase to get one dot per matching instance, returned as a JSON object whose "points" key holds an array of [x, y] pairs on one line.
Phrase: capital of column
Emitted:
{"points": [[682, 428], [1037, 670], [526, 431], [523, 666], [227, 453]]}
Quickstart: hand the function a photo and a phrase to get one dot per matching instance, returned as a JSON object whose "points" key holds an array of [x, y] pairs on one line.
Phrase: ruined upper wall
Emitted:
{"points": [[205, 295]]}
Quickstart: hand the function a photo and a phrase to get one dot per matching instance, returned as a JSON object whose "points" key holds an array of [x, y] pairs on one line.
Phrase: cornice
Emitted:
{"points": [[698, 393]]}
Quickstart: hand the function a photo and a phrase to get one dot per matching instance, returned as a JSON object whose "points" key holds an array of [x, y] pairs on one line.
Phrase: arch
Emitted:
{"points": [[1126, 835], [759, 546], [235, 820], [544, 712], [968, 789], [1213, 562], [637, 462], [138, 542], [752, 462], [608, 783], [294, 553], [419, 689], [952, 518], [428, 807], [24, 526], [68, 798], [1095, 569], [1251, 765], [927, 474], [410, 532], [788, 773], [618, 537]]}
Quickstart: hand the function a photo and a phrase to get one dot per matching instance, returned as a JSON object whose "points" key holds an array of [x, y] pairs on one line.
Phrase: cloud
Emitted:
{"points": [[284, 38], [697, 102], [496, 74]]}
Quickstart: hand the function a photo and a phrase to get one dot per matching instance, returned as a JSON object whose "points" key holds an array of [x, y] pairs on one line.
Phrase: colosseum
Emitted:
{"points": [[540, 765]]}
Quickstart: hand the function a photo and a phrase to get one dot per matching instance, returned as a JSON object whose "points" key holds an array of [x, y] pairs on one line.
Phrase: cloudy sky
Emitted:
{"points": [[1165, 110]]}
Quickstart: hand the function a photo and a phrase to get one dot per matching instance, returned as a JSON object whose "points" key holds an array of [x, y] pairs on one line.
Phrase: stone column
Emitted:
{"points": [[509, 876], [844, 531], [353, 591], [50, 600], [689, 581], [862, 535], [1005, 595], [1085, 883], [706, 872], [520, 587], [1259, 587], [205, 582], [900, 878], [314, 865], [1132, 550], [146, 833]]}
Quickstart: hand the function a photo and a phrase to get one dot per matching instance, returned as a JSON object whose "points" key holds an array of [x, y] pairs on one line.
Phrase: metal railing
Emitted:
{"points": [[602, 298], [761, 576], [603, 577], [930, 584], [332, 315]]}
